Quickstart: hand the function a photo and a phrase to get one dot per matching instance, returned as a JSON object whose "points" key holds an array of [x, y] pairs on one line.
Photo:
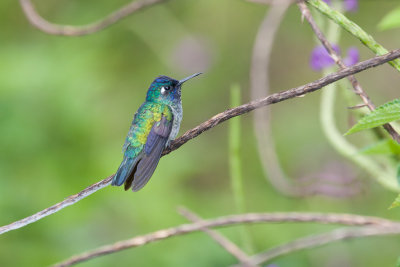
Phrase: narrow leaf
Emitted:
{"points": [[390, 20], [385, 147], [386, 113], [395, 203], [398, 174]]}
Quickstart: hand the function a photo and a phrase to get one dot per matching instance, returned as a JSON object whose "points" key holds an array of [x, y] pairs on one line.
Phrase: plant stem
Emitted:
{"points": [[384, 177], [353, 29], [235, 165], [345, 148]]}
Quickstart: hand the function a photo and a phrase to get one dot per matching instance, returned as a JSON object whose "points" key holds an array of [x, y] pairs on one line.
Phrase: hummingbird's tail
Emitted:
{"points": [[125, 170]]}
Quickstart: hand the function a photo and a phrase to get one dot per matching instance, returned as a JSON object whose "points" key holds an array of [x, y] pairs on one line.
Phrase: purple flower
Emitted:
{"points": [[350, 5], [321, 59], [353, 56]]}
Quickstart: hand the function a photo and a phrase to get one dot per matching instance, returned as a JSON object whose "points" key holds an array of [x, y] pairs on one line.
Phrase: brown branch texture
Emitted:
{"points": [[322, 239], [354, 82], [40, 23], [214, 121], [220, 239], [290, 217]]}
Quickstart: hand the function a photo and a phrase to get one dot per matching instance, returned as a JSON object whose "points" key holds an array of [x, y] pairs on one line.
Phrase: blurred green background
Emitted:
{"points": [[66, 104]]}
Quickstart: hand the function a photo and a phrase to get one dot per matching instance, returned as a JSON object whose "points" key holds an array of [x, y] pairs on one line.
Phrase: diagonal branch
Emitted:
{"points": [[320, 240], [214, 121], [293, 217], [356, 85], [220, 239], [40, 23], [56, 207], [281, 96]]}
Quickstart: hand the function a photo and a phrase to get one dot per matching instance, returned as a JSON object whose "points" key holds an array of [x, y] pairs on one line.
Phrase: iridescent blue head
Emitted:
{"points": [[166, 90]]}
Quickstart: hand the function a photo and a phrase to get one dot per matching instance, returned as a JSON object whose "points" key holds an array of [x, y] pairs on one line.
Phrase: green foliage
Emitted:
{"points": [[395, 203], [391, 20], [66, 105], [353, 29], [398, 173], [384, 147], [386, 113]]}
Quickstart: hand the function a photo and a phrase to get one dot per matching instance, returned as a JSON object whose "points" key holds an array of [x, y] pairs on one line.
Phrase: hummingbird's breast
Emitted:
{"points": [[176, 124]]}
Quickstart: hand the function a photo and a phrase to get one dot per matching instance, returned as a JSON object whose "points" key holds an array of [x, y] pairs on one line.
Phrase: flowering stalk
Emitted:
{"points": [[384, 176], [352, 28]]}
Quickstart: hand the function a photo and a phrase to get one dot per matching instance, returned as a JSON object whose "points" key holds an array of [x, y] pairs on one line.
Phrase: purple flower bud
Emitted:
{"points": [[353, 56], [350, 5], [321, 59], [328, 2]]}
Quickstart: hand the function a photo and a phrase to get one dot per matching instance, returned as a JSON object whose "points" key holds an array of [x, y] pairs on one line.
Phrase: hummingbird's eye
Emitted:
{"points": [[164, 89]]}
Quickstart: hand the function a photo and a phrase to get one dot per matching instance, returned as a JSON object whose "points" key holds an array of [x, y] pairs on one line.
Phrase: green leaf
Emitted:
{"points": [[398, 174], [395, 203], [386, 113], [390, 20], [386, 147]]}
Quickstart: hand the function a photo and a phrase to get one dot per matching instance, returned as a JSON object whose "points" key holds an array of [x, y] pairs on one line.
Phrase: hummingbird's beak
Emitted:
{"points": [[188, 78]]}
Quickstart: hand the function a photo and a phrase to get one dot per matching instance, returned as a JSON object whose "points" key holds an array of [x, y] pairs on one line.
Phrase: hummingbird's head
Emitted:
{"points": [[166, 90]]}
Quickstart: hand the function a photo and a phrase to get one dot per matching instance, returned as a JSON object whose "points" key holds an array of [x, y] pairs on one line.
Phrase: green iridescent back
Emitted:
{"points": [[148, 114]]}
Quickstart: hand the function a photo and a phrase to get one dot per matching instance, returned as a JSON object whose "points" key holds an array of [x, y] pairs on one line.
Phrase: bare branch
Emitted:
{"points": [[294, 217], [281, 96], [220, 239], [53, 209], [214, 121], [40, 23], [356, 85], [357, 106], [322, 239]]}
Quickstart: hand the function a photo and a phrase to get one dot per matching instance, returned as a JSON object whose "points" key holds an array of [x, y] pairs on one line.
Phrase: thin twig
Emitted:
{"points": [[281, 96], [357, 106], [293, 217], [355, 30], [219, 238], [320, 240], [214, 121], [53, 209], [356, 85], [40, 23]]}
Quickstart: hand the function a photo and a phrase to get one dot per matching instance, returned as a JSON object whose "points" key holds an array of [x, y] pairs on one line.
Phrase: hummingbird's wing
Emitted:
{"points": [[147, 138], [155, 144]]}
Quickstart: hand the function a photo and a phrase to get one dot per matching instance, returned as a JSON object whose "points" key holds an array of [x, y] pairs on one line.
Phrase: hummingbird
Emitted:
{"points": [[155, 124]]}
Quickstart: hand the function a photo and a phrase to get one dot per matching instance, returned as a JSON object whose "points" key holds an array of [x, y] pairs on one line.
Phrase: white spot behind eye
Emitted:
{"points": [[163, 90]]}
